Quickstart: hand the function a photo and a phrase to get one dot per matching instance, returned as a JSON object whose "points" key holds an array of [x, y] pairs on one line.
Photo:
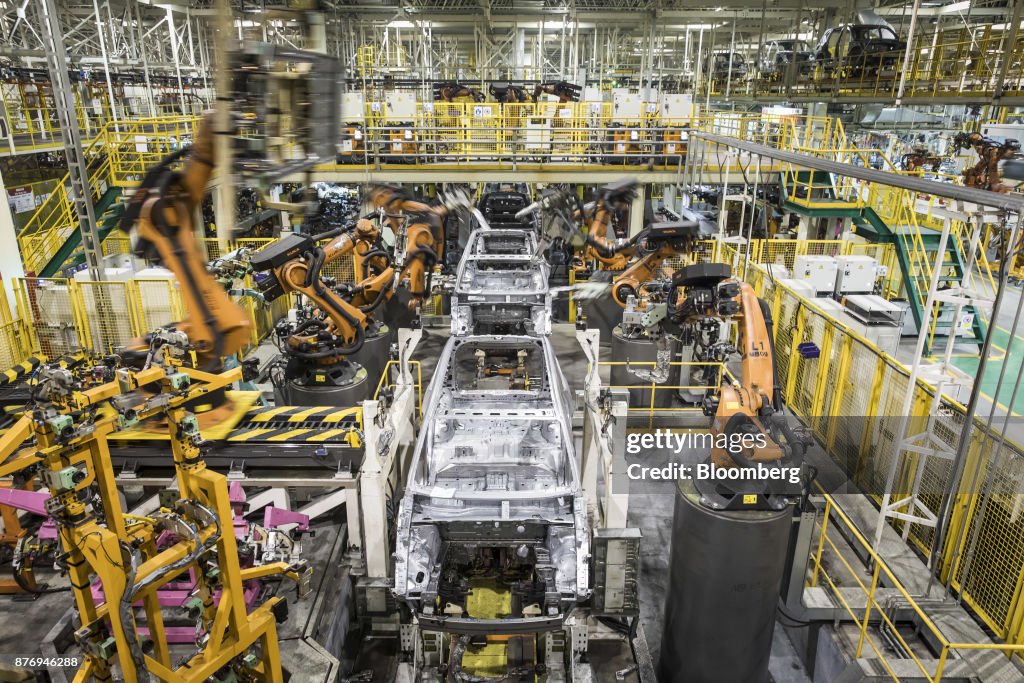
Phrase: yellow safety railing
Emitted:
{"points": [[876, 614], [572, 133], [15, 344], [136, 146], [62, 316], [389, 380], [649, 394], [118, 155], [851, 397], [31, 122], [55, 220], [948, 60]]}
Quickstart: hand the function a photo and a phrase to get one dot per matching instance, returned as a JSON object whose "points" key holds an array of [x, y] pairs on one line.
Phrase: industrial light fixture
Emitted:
{"points": [[693, 27]]}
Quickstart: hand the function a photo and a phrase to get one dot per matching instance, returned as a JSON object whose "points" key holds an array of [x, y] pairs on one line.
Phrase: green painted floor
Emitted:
{"points": [[1000, 342]]}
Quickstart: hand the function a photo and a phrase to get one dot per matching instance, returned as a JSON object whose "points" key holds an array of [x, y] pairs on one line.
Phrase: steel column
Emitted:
{"points": [[71, 136]]}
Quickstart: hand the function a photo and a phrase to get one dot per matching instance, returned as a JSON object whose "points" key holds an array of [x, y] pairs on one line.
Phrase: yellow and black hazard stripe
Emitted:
{"points": [[347, 434], [21, 370], [303, 414], [300, 424]]}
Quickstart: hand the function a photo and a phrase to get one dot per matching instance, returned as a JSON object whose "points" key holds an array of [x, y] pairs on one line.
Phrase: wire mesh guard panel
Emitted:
{"points": [[801, 396], [342, 269], [990, 559], [866, 398], [107, 313], [46, 305], [12, 347], [158, 303]]}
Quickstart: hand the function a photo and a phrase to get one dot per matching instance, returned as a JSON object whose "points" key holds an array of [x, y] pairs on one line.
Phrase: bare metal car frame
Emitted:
{"points": [[494, 468]]}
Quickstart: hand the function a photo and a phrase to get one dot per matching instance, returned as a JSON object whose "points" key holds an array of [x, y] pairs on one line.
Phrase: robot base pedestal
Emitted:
{"points": [[725, 574], [642, 353], [340, 386]]}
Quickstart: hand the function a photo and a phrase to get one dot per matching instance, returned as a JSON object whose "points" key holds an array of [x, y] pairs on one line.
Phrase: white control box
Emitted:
{"points": [[400, 105], [627, 106], [819, 271], [799, 287], [353, 107], [856, 274], [676, 106]]}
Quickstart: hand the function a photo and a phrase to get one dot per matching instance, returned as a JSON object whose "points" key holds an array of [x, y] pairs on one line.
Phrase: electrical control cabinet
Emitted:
{"points": [[400, 105], [676, 106], [856, 274], [819, 271], [627, 106], [353, 107]]}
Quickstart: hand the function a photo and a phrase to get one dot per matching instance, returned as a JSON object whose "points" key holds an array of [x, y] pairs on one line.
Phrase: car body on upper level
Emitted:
{"points": [[859, 50], [722, 66], [779, 54]]}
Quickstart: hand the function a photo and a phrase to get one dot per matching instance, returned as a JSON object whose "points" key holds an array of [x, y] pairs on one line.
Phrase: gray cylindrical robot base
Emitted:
{"points": [[347, 392], [725, 574], [641, 352], [373, 356]]}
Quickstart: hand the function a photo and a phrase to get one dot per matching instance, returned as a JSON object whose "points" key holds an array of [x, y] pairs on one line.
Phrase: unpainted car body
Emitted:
{"points": [[779, 54], [859, 50], [494, 489], [727, 65]]}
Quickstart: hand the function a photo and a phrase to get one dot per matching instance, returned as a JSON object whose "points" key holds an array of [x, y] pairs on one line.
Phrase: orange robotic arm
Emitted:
{"points": [[295, 262], [661, 241], [599, 247], [751, 399], [371, 265], [564, 91], [161, 212], [424, 236], [613, 254], [746, 405]]}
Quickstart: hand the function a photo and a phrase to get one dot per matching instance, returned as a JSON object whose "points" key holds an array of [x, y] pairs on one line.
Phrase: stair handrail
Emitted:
{"points": [[39, 246], [35, 221]]}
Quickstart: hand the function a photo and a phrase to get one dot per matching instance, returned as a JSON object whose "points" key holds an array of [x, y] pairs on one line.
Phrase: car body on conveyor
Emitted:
{"points": [[501, 285], [494, 490], [859, 50]]}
